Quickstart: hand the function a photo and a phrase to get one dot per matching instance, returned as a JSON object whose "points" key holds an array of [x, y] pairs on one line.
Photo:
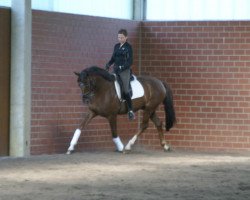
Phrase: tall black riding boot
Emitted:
{"points": [[131, 114]]}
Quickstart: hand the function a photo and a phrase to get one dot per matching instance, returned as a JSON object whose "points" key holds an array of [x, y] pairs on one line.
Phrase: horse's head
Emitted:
{"points": [[86, 85], [91, 78]]}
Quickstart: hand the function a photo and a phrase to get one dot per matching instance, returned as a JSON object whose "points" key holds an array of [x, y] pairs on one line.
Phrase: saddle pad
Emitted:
{"points": [[136, 86]]}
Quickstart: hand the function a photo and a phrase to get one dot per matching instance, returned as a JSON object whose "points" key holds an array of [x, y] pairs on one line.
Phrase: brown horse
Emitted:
{"points": [[98, 92]]}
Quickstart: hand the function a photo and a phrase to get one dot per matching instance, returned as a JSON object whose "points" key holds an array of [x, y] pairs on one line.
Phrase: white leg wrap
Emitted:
{"points": [[166, 147], [74, 140], [118, 144], [133, 139], [131, 143]]}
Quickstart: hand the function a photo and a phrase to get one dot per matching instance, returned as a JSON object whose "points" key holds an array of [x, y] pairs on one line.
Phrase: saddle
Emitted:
{"points": [[135, 87]]}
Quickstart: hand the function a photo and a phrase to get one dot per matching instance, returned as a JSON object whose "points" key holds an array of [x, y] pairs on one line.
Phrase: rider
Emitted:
{"points": [[122, 58]]}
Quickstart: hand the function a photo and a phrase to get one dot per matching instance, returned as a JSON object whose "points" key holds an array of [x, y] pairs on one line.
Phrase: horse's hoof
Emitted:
{"points": [[69, 152], [118, 151], [127, 148], [126, 151], [167, 148]]}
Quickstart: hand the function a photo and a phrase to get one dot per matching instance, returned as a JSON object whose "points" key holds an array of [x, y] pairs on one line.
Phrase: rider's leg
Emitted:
{"points": [[125, 78], [131, 114]]}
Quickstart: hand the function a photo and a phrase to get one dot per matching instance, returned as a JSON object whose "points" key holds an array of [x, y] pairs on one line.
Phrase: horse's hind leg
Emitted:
{"points": [[144, 126], [157, 122]]}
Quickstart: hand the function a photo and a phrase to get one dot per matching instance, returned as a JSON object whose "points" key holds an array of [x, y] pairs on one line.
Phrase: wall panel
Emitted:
{"points": [[4, 80]]}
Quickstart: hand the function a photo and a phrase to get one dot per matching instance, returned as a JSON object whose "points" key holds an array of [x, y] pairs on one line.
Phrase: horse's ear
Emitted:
{"points": [[77, 73]]}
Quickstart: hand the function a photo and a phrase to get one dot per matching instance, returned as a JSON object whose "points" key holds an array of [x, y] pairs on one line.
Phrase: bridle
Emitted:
{"points": [[89, 85]]}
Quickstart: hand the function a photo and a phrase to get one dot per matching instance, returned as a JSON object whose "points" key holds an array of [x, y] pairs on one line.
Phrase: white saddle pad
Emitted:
{"points": [[137, 89]]}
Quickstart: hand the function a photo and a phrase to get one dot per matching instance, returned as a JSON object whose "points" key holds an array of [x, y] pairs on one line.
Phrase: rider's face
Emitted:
{"points": [[122, 38]]}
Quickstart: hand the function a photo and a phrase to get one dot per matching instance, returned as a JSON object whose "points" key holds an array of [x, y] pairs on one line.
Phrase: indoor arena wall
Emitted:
{"points": [[207, 64]]}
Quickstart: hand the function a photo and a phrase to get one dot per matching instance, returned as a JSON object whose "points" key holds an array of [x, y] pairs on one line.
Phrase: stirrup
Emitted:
{"points": [[131, 115]]}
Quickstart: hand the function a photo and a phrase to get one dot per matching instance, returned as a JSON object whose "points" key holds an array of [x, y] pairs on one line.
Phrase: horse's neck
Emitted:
{"points": [[101, 83], [102, 90]]}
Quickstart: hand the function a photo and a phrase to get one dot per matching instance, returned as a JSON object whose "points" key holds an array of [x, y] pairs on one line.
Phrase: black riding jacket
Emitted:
{"points": [[122, 57]]}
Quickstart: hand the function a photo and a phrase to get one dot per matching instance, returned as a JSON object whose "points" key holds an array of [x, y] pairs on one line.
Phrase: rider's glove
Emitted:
{"points": [[107, 66]]}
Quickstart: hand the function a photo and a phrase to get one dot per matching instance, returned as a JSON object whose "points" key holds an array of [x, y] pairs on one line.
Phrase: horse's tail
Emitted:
{"points": [[169, 108]]}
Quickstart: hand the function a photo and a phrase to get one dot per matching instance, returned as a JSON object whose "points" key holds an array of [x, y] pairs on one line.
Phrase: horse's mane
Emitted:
{"points": [[97, 71]]}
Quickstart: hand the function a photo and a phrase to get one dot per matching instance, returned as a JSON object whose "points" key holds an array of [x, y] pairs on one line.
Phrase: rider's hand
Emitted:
{"points": [[107, 66]]}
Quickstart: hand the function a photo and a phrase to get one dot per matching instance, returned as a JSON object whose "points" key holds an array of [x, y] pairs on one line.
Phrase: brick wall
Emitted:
{"points": [[207, 64], [62, 44]]}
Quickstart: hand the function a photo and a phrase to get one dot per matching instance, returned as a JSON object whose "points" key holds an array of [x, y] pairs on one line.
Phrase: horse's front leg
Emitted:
{"points": [[116, 139], [90, 115]]}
